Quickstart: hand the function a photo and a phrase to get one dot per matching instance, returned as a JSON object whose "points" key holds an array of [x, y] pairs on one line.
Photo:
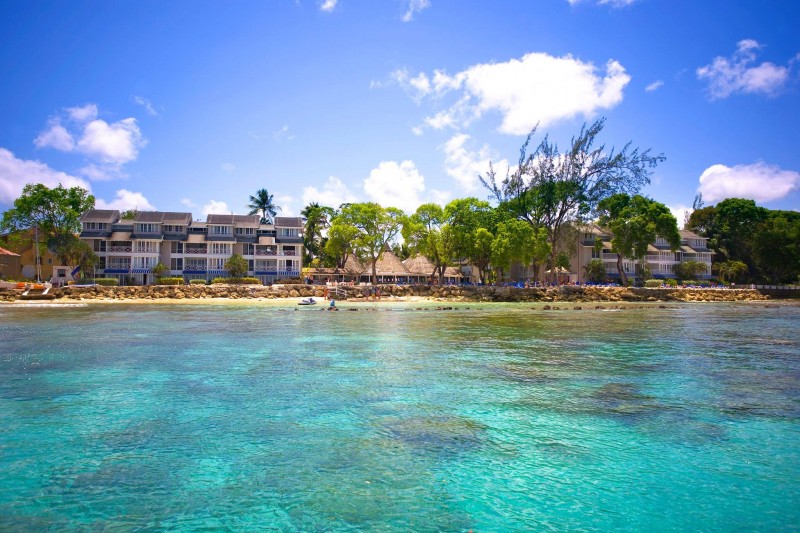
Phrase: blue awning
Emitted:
{"points": [[141, 271], [116, 271]]}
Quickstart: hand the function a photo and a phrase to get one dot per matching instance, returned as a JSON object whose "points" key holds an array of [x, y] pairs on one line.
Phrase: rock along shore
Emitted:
{"points": [[565, 293]]}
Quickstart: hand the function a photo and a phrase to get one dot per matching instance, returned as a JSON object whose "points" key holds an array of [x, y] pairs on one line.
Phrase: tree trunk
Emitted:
{"points": [[622, 277], [375, 271]]}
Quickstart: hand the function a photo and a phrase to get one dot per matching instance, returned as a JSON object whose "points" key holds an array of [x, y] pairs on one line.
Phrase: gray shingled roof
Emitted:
{"points": [[289, 222], [231, 220], [100, 215]]}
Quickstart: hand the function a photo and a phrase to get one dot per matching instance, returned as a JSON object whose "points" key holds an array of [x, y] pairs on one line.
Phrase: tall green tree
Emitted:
{"points": [[473, 223], [263, 203], [636, 222], [55, 213], [551, 188], [373, 228], [517, 241], [428, 232], [317, 221], [776, 249]]}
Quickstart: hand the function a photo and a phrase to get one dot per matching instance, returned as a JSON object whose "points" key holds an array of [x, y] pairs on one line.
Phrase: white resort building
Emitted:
{"points": [[129, 248], [661, 260]]}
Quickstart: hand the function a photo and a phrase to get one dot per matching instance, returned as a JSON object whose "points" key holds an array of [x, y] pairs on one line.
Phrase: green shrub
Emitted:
{"points": [[197, 282], [671, 282], [176, 280], [106, 282], [653, 283], [237, 281]]}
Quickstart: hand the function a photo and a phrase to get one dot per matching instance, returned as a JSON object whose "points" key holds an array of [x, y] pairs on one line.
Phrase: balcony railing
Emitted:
{"points": [[266, 252], [194, 250], [289, 252], [126, 249], [118, 266]]}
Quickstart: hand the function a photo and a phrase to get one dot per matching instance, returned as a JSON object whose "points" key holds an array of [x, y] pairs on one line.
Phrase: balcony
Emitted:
{"points": [[122, 249], [195, 251], [266, 252]]}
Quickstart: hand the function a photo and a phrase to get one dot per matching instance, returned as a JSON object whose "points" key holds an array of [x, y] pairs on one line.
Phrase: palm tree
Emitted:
{"points": [[262, 203]]}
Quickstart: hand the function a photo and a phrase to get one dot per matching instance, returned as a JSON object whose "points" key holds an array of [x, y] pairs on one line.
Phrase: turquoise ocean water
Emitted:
{"points": [[486, 417]]}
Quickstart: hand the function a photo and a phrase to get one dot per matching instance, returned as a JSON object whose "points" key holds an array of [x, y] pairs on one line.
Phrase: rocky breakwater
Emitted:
{"points": [[564, 293], [191, 292]]}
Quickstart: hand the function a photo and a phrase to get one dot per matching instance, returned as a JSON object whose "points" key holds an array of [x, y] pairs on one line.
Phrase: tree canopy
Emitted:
{"points": [[369, 228], [636, 222], [551, 188]]}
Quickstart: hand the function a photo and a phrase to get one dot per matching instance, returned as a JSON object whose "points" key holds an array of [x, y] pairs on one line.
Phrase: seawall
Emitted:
{"points": [[564, 293]]}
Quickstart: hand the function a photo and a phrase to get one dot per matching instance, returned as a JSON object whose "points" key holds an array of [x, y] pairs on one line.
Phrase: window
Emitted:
{"points": [[220, 230], [216, 263], [245, 231], [147, 247], [98, 245], [176, 263], [147, 228], [288, 232], [225, 248], [90, 226]]}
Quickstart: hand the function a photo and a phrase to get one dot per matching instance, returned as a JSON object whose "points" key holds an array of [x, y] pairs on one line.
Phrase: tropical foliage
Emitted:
{"points": [[262, 202]]}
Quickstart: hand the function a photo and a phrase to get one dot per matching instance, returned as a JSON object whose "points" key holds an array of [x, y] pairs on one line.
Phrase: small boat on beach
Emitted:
{"points": [[307, 301]]}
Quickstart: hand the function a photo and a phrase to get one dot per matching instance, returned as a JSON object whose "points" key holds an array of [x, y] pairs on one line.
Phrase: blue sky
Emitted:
{"points": [[193, 106]]}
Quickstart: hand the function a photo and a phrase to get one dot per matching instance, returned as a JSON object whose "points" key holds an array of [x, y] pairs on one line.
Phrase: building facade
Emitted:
{"points": [[129, 248], [660, 259]]}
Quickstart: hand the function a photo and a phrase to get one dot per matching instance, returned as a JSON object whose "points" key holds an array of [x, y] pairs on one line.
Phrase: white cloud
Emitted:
{"points": [[228, 168], [126, 200], [654, 86], [216, 207], [188, 203], [737, 74], [395, 185], [440, 197], [333, 193], [146, 104], [83, 113], [681, 213], [538, 88], [284, 201], [283, 134], [55, 136], [102, 172], [116, 143], [414, 6], [760, 182], [16, 173], [465, 166], [327, 5], [109, 145]]}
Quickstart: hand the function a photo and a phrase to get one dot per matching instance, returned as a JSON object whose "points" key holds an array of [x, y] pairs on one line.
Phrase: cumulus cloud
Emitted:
{"points": [[739, 74], [55, 136], [82, 113], [216, 207], [108, 145], [16, 173], [126, 200], [228, 168], [116, 143], [333, 193], [536, 89], [414, 6], [284, 201], [146, 104], [654, 86], [760, 182], [465, 165], [327, 5], [395, 185], [681, 213], [188, 203]]}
